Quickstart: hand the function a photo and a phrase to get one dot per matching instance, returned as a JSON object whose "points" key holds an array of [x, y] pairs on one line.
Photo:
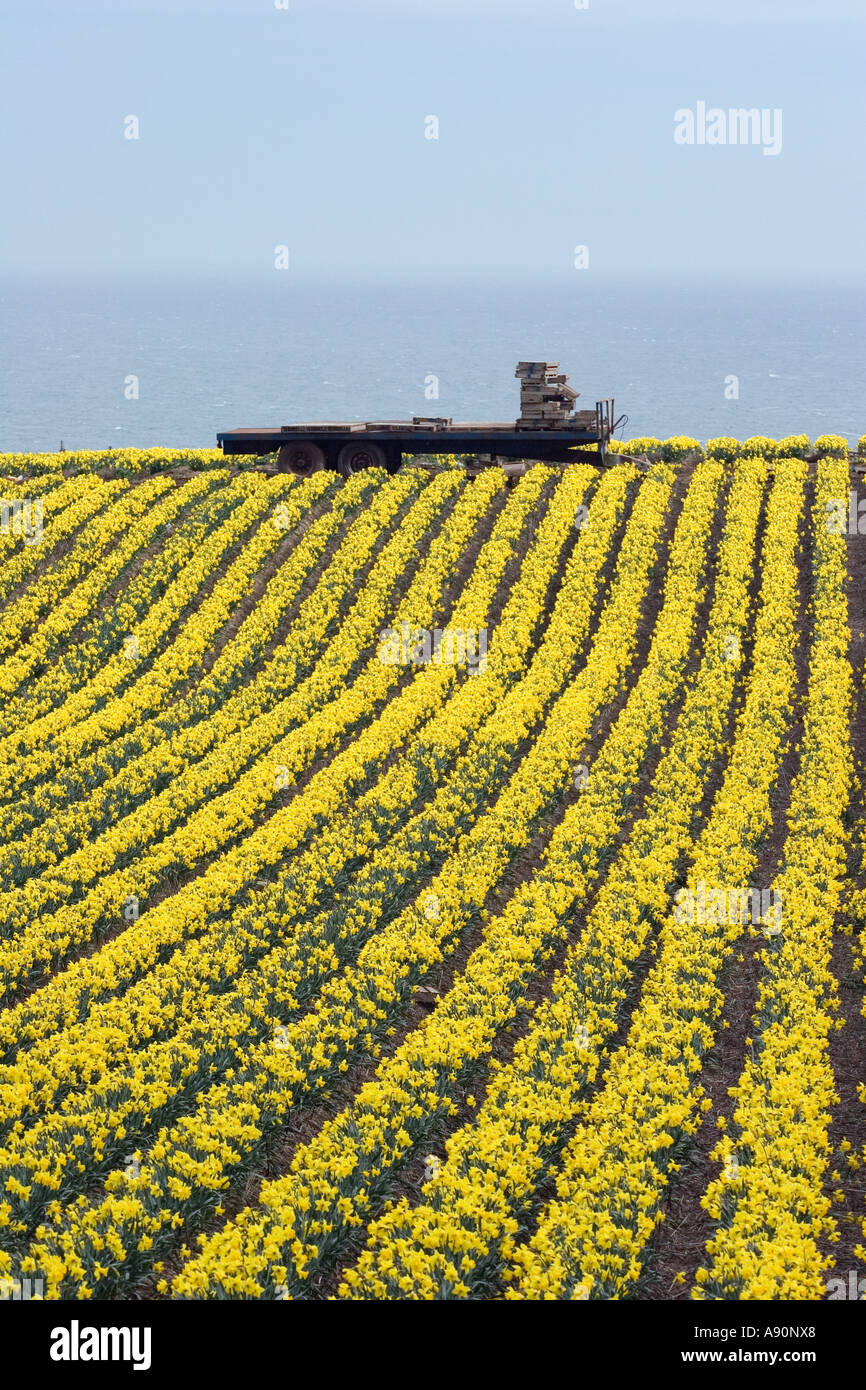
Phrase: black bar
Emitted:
{"points": [[647, 1339]]}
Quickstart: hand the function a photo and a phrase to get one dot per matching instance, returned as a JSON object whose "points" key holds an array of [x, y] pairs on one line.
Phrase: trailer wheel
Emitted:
{"points": [[353, 457], [301, 459]]}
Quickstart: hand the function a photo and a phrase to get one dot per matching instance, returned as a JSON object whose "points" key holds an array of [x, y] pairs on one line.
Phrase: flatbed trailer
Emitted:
{"points": [[549, 430]]}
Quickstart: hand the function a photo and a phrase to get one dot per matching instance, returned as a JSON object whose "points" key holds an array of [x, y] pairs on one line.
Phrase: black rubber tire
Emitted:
{"points": [[353, 457], [301, 459]]}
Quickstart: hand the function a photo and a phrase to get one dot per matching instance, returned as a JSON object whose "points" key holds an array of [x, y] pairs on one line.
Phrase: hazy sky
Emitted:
{"points": [[305, 127]]}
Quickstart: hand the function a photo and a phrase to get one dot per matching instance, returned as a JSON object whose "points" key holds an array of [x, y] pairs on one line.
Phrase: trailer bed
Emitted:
{"points": [[549, 429], [501, 437]]}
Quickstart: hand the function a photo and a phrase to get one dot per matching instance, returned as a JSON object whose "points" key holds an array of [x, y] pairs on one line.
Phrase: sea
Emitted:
{"points": [[108, 362]]}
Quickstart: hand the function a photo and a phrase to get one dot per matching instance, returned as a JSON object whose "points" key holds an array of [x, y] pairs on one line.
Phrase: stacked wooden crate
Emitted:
{"points": [[546, 399]]}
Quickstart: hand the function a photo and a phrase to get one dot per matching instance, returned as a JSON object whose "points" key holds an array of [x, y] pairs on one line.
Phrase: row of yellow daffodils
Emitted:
{"points": [[352, 1012], [47, 486], [141, 758], [672, 450], [611, 1183], [194, 642], [832, 446], [453, 1243], [227, 803], [132, 462], [18, 522], [69, 731], [195, 638], [61, 997], [54, 493], [207, 501], [65, 513], [858, 914], [732, 450], [249, 528], [126, 1094], [418, 1083], [51, 608], [728, 450], [409, 712], [170, 597], [187, 652], [450, 544], [174, 990], [105, 520], [769, 1201], [154, 933]]}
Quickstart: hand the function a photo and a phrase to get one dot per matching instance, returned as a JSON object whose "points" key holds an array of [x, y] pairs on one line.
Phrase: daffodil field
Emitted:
{"points": [[431, 887]]}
